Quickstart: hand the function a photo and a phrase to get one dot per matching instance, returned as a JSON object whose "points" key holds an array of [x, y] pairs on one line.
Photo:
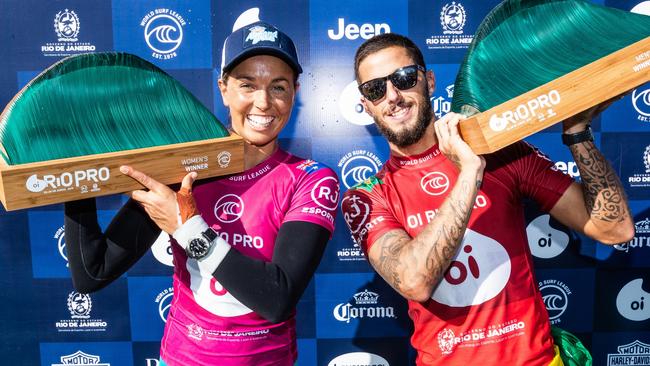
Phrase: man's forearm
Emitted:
{"points": [[602, 190], [414, 267]]}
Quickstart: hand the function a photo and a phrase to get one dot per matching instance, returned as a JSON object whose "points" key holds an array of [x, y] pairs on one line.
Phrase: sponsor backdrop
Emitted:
{"points": [[348, 315]]}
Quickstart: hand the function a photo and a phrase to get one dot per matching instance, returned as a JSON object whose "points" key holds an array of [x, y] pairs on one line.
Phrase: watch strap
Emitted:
{"points": [[569, 139]]}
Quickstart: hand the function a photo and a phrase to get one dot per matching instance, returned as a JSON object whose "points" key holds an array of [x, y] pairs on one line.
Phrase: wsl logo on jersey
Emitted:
{"points": [[632, 301], [641, 237], [366, 306], [642, 179], [636, 353], [442, 104], [545, 241], [81, 359], [80, 305], [163, 32], [164, 300], [229, 208], [453, 19], [357, 166], [641, 103], [66, 27], [556, 298]]}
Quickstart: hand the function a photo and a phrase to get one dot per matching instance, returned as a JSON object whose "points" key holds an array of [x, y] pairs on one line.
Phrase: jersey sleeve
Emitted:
{"points": [[316, 196], [367, 216], [536, 175]]}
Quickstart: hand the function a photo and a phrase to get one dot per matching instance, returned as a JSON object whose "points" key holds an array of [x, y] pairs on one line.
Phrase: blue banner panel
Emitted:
{"points": [[623, 297], [630, 114], [339, 27], [356, 305], [334, 108], [146, 353], [305, 313], [47, 241], [629, 154], [384, 351], [443, 30], [170, 34], [568, 296], [52, 30], [149, 301], [306, 352], [86, 354], [67, 315]]}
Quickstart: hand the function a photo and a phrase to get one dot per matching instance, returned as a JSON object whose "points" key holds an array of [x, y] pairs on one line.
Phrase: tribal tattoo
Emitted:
{"points": [[603, 192]]}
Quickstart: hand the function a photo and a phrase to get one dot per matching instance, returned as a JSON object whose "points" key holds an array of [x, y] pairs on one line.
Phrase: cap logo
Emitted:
{"points": [[258, 33]]}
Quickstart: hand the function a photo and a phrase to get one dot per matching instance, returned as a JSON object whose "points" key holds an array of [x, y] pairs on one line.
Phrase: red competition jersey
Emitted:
{"points": [[488, 306]]}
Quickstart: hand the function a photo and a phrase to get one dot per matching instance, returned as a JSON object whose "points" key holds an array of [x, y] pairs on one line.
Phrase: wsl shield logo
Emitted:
{"points": [[81, 359], [556, 298], [163, 32], [229, 208], [545, 241], [59, 236], [641, 103], [631, 301], [357, 166], [366, 306], [164, 301]]}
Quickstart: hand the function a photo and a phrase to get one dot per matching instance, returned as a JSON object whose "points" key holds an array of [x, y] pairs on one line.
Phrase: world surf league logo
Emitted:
{"points": [[163, 32]]}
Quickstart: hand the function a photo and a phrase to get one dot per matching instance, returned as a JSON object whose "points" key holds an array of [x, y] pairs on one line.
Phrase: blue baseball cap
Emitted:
{"points": [[258, 38]]}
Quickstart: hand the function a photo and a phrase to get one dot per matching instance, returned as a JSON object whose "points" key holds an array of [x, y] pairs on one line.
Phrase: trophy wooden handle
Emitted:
{"points": [[559, 99]]}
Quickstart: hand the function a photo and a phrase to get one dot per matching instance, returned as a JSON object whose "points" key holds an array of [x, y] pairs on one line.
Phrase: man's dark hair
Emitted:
{"points": [[385, 40]]}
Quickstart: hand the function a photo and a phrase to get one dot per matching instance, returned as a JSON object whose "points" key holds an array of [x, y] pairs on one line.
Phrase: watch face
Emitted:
{"points": [[198, 248]]}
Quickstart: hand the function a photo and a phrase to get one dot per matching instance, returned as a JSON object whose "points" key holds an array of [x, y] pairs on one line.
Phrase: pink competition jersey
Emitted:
{"points": [[487, 307], [206, 324]]}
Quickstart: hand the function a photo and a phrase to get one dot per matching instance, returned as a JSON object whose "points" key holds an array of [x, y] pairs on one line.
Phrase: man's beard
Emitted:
{"points": [[409, 135]]}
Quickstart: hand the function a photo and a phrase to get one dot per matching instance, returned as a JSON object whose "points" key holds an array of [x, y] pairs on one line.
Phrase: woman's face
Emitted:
{"points": [[259, 92]]}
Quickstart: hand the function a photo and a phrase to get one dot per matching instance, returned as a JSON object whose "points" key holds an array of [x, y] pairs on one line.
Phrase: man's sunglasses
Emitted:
{"points": [[403, 78]]}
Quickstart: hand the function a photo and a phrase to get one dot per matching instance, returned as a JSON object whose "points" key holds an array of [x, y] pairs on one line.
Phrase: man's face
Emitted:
{"points": [[402, 116]]}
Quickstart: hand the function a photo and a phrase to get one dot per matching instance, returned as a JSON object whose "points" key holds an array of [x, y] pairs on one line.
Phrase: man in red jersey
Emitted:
{"points": [[445, 227]]}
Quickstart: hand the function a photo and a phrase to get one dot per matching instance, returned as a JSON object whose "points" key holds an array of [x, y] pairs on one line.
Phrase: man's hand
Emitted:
{"points": [[453, 146], [159, 201]]}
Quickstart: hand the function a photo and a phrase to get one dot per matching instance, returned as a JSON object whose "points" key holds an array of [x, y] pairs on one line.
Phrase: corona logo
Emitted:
{"points": [[363, 308]]}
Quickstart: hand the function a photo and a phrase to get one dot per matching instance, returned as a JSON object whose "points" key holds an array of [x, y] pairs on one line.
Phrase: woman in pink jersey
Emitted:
{"points": [[246, 245]]}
